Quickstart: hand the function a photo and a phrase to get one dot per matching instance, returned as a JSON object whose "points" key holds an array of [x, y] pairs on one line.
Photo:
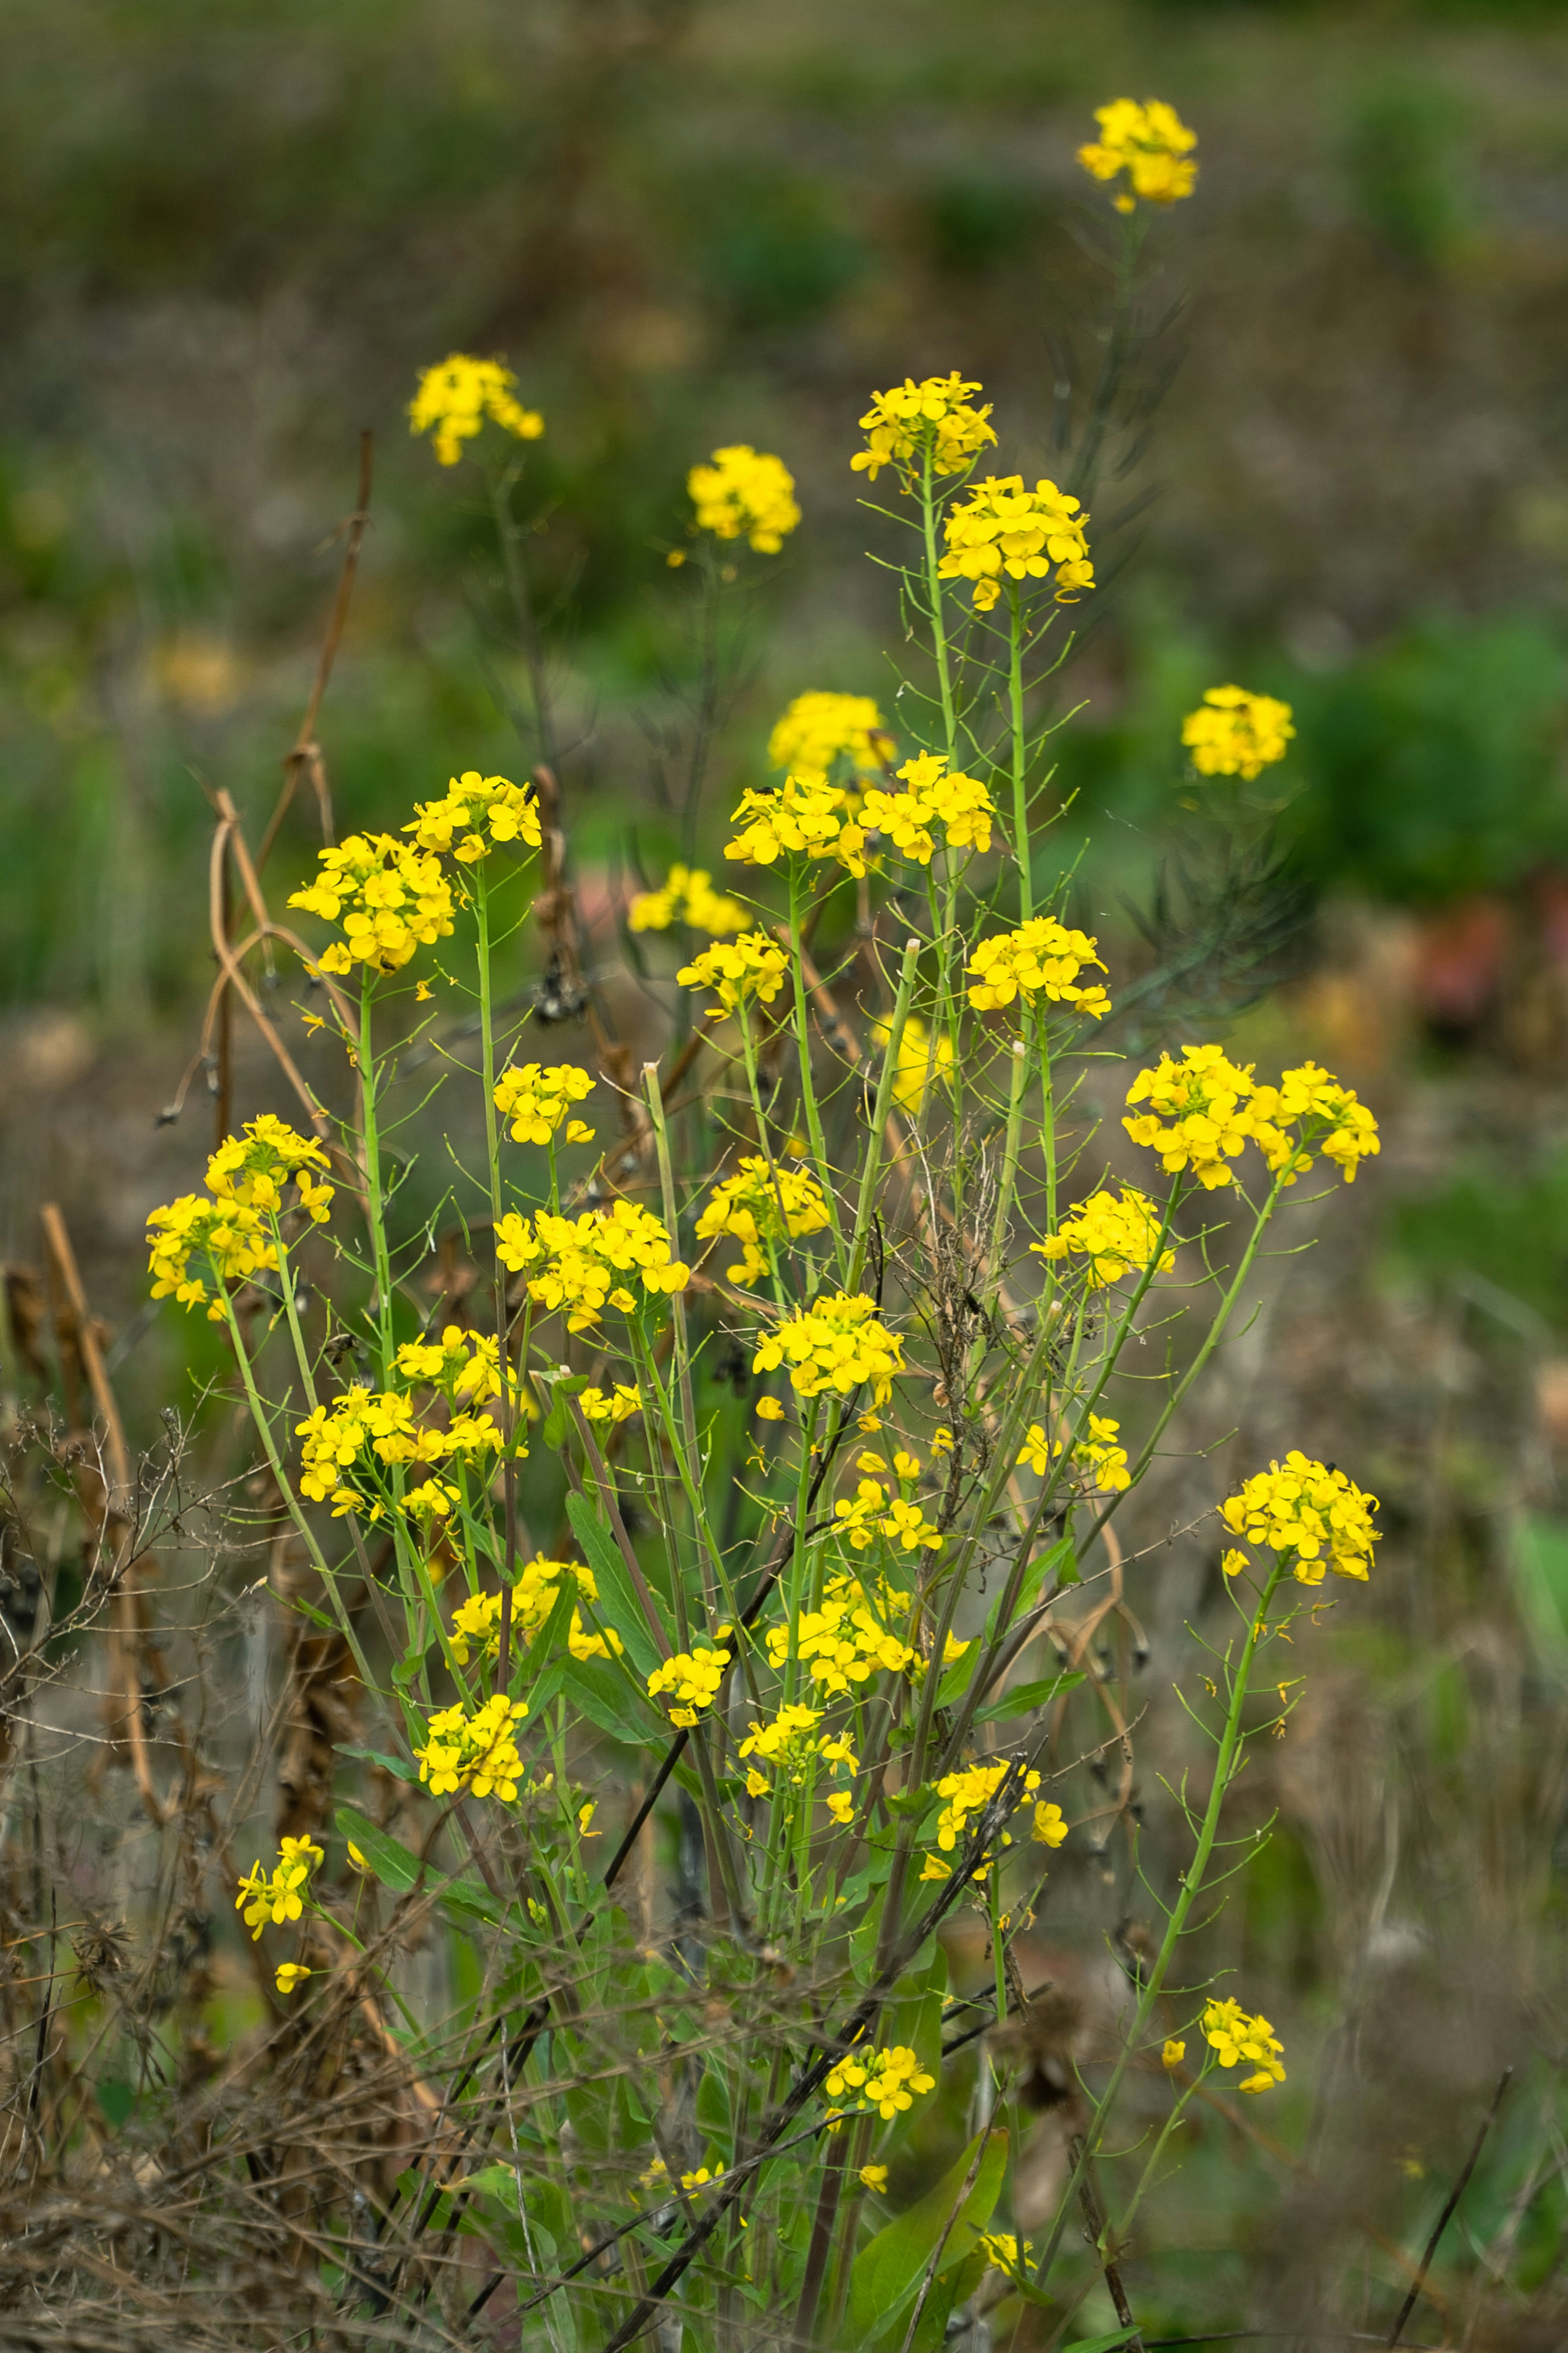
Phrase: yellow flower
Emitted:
{"points": [[846, 1642], [874, 2176], [463, 1364], [835, 1343], [755, 1208], [290, 1974], [388, 898], [882, 2080], [693, 1678], [806, 816], [355, 1857], [476, 1624], [968, 1792], [1310, 1510], [537, 1100], [474, 815], [744, 493], [279, 1895], [1329, 1119], [687, 896], [1117, 1237], [1208, 1100], [736, 971], [1173, 2053], [1151, 143], [841, 1806], [1239, 2040], [769, 1410], [1042, 958], [341, 1441], [1001, 2248], [1236, 733], [584, 1816], [476, 1753], [958, 803], [913, 420], [458, 395], [919, 1062], [1051, 1826], [583, 1264], [230, 1236], [617, 1406], [1003, 531], [819, 730]]}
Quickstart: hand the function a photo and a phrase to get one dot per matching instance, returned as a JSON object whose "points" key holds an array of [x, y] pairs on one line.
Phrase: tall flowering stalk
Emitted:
{"points": [[736, 1442]]}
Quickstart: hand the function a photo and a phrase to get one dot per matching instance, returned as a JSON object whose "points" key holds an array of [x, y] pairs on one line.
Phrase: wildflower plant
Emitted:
{"points": [[745, 1456]]}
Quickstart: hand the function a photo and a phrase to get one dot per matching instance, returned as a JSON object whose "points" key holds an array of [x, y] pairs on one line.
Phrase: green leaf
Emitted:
{"points": [[1106, 2344], [618, 1605], [889, 2267], [1025, 1698], [608, 1698], [959, 1676], [377, 1756]]}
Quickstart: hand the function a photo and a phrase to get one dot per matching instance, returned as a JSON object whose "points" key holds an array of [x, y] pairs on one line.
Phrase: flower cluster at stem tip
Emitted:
{"points": [[687, 896], [278, 1895], [455, 396], [692, 1679], [1041, 958], [537, 1100], [736, 971], [229, 1239], [1239, 2040], [744, 493], [1236, 733], [463, 1365], [1095, 1450], [476, 1623], [586, 1263], [757, 1207], [388, 897], [835, 1343], [819, 730], [789, 1745], [882, 2081], [475, 1753], [805, 818], [1214, 1109], [1118, 1236], [934, 796], [1307, 1509], [1002, 531], [475, 815], [341, 1441], [1151, 143], [936, 416], [963, 1794], [845, 1643]]}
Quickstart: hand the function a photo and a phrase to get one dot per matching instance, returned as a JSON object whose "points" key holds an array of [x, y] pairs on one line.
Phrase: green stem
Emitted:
{"points": [[807, 1091], [1020, 755], [375, 1205], [871, 1174], [935, 610]]}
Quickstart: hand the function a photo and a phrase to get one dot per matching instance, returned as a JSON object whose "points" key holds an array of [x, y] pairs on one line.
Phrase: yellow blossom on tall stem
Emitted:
{"points": [[477, 814], [736, 971], [1309, 1512], [1151, 143], [388, 898], [819, 730], [458, 395], [932, 796], [936, 416], [805, 816], [745, 493], [1003, 531], [1235, 734], [687, 896], [1041, 958]]}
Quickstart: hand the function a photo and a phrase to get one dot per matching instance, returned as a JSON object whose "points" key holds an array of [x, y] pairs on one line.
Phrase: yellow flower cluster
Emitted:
{"points": [[1215, 1109], [476, 1624], [970, 1791], [736, 971], [1051, 1826], [230, 1235], [845, 1643], [757, 1207], [1001, 530], [1236, 733], [1239, 2040], [337, 1439], [463, 1364], [1001, 2248], [475, 815], [585, 1263], [882, 2081], [616, 1405], [789, 1743], [692, 1679], [253, 1168], [745, 493], [1117, 1237], [538, 1099], [937, 415], [1151, 143], [1041, 958], [835, 1343], [919, 1062], [1307, 1509], [476, 1753], [958, 803], [868, 1514], [1097, 1451], [687, 896], [819, 729], [396, 899], [806, 817], [455, 396], [278, 1895]]}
